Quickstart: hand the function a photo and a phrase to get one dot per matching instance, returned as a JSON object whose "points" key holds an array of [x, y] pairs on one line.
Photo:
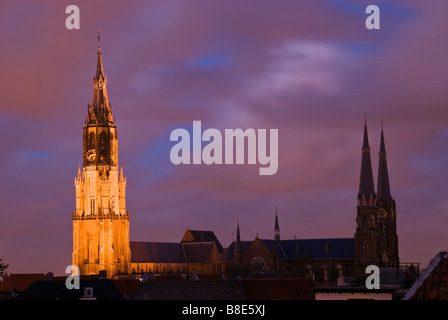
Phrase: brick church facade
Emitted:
{"points": [[101, 222]]}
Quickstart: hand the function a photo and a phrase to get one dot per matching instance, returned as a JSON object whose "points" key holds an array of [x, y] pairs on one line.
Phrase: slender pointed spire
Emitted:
{"points": [[276, 227], [100, 111], [366, 194], [383, 190], [99, 64], [121, 174], [238, 237], [365, 142]]}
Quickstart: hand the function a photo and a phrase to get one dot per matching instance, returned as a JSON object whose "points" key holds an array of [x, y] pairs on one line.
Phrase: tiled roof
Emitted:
{"points": [[197, 251], [126, 287], [165, 252], [248, 289], [117, 289], [162, 252], [205, 236], [19, 282], [433, 283], [103, 289], [338, 248], [228, 254], [190, 290], [278, 289]]}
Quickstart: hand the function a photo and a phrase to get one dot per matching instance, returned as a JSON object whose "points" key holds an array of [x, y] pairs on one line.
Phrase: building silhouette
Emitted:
{"points": [[376, 240], [101, 223]]}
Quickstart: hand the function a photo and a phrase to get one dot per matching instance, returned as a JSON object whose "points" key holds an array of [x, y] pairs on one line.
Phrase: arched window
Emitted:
{"points": [[102, 145], [92, 140], [364, 222], [92, 206], [365, 249]]}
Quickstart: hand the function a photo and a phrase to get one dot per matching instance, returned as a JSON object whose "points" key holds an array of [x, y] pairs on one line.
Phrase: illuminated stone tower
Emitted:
{"points": [[100, 222]]}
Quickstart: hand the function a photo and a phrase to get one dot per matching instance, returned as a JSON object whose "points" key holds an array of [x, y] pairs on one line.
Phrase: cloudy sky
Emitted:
{"points": [[310, 69]]}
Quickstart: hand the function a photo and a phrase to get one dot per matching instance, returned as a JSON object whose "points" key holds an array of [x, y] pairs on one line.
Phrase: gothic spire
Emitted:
{"points": [[276, 227], [99, 63], [383, 190], [366, 194], [238, 237], [100, 111]]}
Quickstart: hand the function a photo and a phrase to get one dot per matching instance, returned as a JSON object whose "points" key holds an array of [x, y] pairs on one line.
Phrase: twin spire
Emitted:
{"points": [[366, 194]]}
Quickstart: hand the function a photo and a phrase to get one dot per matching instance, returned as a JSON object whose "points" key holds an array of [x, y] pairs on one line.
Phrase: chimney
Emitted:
{"points": [[103, 274], [49, 276]]}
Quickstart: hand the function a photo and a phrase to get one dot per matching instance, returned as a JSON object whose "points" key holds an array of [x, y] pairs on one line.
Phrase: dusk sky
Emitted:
{"points": [[310, 69]]}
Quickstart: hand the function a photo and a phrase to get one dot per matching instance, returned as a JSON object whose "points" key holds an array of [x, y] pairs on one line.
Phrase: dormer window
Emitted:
{"points": [[88, 292]]}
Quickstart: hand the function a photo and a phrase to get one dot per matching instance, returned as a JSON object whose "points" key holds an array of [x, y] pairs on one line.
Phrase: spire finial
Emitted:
{"points": [[99, 40], [381, 124], [365, 117]]}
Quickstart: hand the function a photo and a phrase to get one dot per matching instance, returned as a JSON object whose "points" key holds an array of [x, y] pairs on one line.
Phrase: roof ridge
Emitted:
{"points": [[197, 242]]}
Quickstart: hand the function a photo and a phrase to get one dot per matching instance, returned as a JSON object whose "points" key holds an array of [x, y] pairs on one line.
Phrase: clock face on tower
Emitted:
{"points": [[382, 213], [91, 155]]}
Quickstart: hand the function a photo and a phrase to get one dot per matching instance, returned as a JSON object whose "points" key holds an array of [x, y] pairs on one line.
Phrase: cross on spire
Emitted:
{"points": [[99, 40]]}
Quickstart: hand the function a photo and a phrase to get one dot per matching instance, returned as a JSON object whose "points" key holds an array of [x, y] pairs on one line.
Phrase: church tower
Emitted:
{"points": [[100, 222], [366, 238], [387, 222], [376, 240]]}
